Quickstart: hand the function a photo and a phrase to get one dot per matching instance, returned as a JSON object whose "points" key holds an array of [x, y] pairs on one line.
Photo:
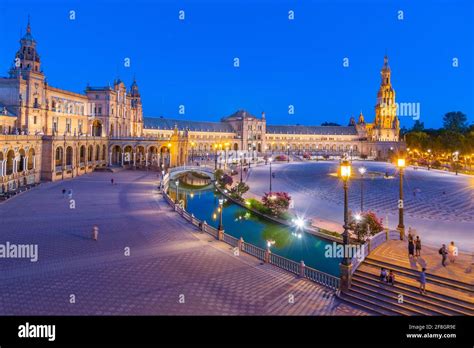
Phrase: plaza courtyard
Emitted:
{"points": [[439, 205], [172, 269]]}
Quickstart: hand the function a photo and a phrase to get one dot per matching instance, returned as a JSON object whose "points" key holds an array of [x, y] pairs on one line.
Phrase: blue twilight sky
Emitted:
{"points": [[282, 62]]}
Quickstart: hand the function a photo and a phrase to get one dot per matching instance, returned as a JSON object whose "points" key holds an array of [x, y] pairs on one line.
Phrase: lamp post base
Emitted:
{"points": [[402, 232], [346, 277], [220, 234]]}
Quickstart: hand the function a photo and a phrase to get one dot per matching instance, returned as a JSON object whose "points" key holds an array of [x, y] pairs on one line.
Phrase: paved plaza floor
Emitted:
{"points": [[440, 206], [172, 269]]}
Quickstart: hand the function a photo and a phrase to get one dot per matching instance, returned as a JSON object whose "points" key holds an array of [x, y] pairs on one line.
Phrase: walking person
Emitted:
{"points": [[410, 234], [418, 246], [383, 275], [112, 181], [452, 252], [423, 281], [411, 248], [443, 252]]}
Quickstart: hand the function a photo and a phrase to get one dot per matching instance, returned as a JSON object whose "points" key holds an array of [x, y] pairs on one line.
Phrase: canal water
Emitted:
{"points": [[239, 222]]}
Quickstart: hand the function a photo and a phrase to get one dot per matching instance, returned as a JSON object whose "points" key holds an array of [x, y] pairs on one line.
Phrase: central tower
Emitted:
{"points": [[386, 125]]}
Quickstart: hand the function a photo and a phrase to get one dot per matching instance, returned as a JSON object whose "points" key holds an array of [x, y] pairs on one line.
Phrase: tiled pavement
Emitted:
{"points": [[439, 205], [449, 199], [167, 259]]}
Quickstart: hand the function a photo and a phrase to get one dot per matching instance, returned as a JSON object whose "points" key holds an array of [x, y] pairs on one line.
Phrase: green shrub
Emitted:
{"points": [[258, 206]]}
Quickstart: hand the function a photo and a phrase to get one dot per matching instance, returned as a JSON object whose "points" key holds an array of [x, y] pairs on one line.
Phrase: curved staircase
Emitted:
{"points": [[443, 296]]}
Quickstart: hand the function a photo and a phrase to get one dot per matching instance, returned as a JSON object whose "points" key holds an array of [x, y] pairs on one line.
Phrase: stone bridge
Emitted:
{"points": [[173, 172]]}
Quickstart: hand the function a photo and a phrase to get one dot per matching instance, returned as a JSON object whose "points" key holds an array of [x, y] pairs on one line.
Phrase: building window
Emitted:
{"points": [[68, 125], [34, 120], [96, 96], [100, 110]]}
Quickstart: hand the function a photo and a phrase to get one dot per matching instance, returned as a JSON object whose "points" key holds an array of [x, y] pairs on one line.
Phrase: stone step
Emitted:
{"points": [[454, 306], [455, 284], [412, 277], [461, 299], [364, 304], [385, 301], [375, 304], [408, 299]]}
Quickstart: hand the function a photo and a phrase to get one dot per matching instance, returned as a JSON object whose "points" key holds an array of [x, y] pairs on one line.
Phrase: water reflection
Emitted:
{"points": [[239, 222]]}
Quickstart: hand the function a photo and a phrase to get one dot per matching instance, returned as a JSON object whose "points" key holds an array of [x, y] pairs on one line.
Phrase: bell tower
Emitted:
{"points": [[137, 111], [386, 126], [31, 102], [27, 58]]}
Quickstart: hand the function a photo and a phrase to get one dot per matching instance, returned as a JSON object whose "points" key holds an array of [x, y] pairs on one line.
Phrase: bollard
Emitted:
{"points": [[95, 232], [302, 268], [267, 255], [220, 234]]}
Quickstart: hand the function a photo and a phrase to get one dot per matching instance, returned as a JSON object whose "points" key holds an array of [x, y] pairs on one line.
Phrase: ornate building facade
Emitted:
{"points": [[47, 133]]}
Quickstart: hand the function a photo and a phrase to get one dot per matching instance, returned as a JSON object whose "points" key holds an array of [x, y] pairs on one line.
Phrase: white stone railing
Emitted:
{"points": [[322, 278], [253, 250], [231, 240], [286, 264]]}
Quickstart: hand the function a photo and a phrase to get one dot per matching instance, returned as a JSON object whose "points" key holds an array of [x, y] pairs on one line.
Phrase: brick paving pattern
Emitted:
{"points": [[168, 258]]}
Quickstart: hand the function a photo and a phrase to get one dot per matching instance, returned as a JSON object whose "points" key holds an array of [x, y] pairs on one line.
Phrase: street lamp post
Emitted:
{"points": [[429, 159], [401, 226], [177, 191], [455, 160], [346, 263], [215, 157], [220, 151], [241, 167], [162, 179], [362, 171], [220, 227], [270, 161], [226, 147]]}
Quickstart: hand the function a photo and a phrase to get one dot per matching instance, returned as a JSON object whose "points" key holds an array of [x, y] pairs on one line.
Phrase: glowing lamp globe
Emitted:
{"points": [[401, 163], [345, 170]]}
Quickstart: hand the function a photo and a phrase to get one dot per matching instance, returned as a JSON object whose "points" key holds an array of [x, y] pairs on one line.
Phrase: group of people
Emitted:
{"points": [[67, 193], [387, 276], [414, 245], [450, 252], [414, 249]]}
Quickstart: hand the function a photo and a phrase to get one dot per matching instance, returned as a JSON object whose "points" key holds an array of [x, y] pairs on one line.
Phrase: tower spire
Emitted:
{"points": [[28, 26]]}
